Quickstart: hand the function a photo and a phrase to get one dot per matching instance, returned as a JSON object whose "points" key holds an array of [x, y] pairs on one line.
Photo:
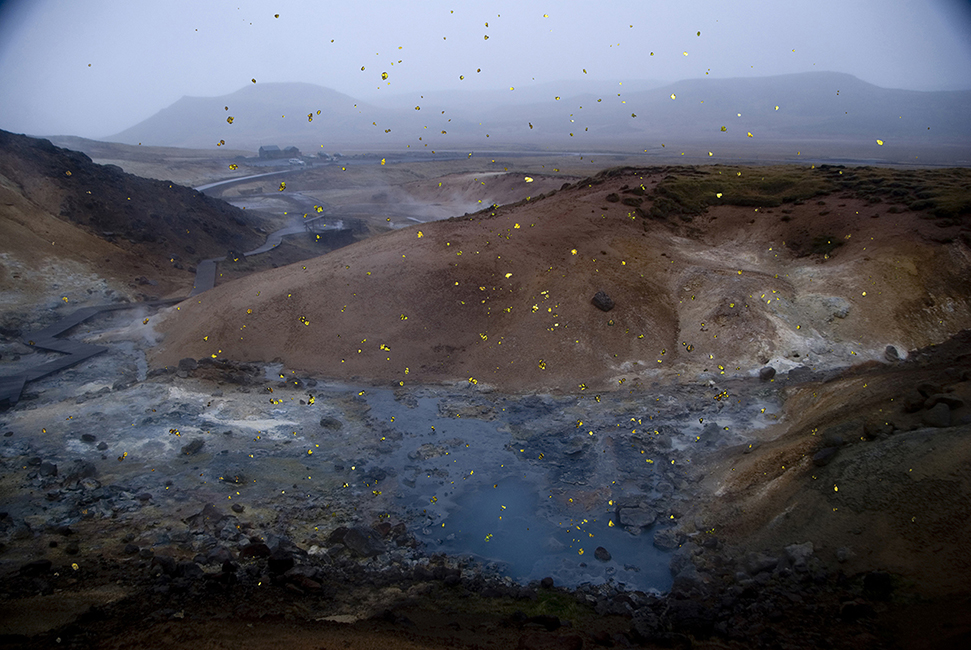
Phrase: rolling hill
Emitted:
{"points": [[806, 107]]}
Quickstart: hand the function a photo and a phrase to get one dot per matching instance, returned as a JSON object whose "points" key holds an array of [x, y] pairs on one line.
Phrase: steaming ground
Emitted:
{"points": [[504, 297], [140, 455]]}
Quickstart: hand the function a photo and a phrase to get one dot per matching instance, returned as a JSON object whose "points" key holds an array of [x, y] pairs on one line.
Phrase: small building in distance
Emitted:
{"points": [[271, 151]]}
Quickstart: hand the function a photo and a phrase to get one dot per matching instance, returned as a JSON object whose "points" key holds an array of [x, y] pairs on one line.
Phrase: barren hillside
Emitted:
{"points": [[711, 270]]}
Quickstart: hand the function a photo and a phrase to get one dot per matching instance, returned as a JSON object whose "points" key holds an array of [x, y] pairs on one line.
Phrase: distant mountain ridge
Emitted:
{"points": [[814, 105]]}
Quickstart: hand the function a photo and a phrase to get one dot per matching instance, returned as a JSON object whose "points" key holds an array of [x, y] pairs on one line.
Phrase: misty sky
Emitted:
{"points": [[95, 67]]}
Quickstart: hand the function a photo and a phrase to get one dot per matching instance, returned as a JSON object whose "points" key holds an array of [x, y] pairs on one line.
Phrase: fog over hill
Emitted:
{"points": [[803, 107]]}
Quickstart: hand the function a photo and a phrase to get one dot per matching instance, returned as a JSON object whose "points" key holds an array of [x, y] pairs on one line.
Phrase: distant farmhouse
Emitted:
{"points": [[272, 151]]}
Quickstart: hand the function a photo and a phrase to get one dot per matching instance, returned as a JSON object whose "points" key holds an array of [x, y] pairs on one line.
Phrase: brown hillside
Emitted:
{"points": [[822, 276], [144, 216]]}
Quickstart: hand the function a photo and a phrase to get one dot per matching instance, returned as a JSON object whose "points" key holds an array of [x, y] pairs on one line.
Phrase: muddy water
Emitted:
{"points": [[529, 485]]}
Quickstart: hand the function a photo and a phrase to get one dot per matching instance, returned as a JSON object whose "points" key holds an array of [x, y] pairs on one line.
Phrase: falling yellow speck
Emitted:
{"points": [[880, 142]]}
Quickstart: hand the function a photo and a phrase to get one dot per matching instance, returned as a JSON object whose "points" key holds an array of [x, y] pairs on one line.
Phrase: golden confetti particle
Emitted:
{"points": [[672, 96], [529, 179], [234, 166], [384, 76], [283, 185], [750, 134], [573, 251], [880, 142], [67, 173], [724, 128], [718, 194], [421, 234], [230, 119], [508, 275]]}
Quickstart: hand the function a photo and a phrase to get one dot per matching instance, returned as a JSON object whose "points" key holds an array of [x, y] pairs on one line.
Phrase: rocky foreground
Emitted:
{"points": [[186, 499]]}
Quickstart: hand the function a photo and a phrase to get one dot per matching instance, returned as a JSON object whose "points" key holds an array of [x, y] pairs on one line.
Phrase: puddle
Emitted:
{"points": [[507, 525], [473, 493]]}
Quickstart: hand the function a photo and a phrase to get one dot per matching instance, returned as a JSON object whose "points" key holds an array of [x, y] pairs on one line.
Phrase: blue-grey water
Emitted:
{"points": [[475, 492]]}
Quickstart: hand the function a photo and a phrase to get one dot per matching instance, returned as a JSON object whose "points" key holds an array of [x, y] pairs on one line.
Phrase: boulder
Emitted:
{"points": [[953, 401], [891, 354], [331, 423], [799, 555], [364, 542], [939, 416], [766, 373], [913, 401], [667, 539], [194, 447], [188, 364], [756, 563], [602, 301], [602, 554], [636, 517]]}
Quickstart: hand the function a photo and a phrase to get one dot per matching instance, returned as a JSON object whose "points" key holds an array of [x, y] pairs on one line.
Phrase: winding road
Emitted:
{"points": [[12, 386]]}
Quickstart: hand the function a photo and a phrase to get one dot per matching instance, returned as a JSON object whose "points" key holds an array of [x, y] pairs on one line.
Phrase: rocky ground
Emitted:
{"points": [[235, 503]]}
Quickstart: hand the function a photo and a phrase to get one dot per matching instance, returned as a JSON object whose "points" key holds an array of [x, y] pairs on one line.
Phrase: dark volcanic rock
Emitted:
{"points": [[767, 373], [602, 554], [365, 542], [194, 447], [891, 354], [602, 301], [188, 364], [953, 401], [331, 423], [258, 549], [939, 416], [636, 517]]}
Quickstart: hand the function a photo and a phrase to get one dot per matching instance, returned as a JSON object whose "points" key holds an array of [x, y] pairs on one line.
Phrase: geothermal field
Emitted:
{"points": [[499, 400]]}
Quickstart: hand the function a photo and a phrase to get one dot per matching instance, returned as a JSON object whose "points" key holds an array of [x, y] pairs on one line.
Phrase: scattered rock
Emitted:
{"points": [[36, 567], [766, 373], [602, 554], [48, 469], [238, 508], [799, 555], [602, 301], [891, 354], [255, 549], [636, 517], [365, 542], [756, 563], [102, 446], [546, 583], [913, 401], [331, 423], [188, 365], [927, 389], [88, 437], [194, 447], [667, 539], [939, 416], [280, 561]]}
